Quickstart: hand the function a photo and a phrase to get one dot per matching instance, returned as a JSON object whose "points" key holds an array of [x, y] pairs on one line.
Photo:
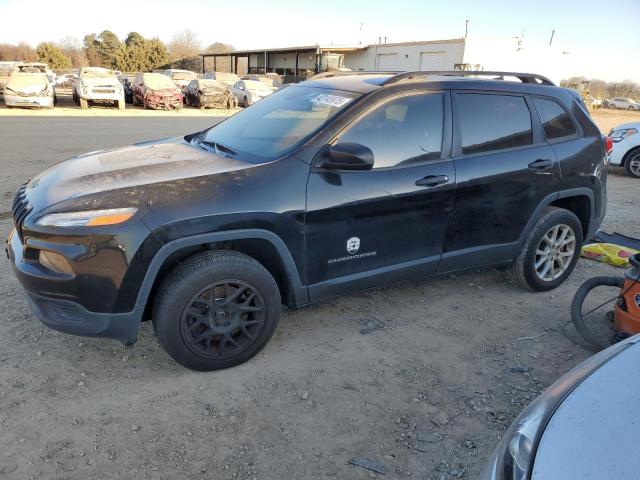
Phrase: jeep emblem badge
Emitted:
{"points": [[353, 245]]}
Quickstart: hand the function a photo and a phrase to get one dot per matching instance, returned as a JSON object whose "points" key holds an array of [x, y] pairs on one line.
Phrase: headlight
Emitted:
{"points": [[90, 218], [515, 454], [622, 133]]}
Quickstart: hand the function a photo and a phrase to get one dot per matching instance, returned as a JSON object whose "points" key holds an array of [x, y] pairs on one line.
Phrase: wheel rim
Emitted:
{"points": [[223, 319], [634, 165], [555, 252]]}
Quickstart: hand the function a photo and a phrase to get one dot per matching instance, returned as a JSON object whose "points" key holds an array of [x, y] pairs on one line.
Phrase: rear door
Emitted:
{"points": [[366, 228], [504, 169]]}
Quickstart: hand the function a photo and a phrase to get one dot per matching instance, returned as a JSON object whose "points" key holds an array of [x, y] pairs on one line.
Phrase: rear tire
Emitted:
{"points": [[632, 164], [215, 310], [545, 260]]}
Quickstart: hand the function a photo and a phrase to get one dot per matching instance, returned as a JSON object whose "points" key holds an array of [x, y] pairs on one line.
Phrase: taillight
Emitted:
{"points": [[608, 145]]}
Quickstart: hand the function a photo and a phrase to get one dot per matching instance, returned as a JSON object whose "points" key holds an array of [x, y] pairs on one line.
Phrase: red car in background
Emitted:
{"points": [[157, 91]]}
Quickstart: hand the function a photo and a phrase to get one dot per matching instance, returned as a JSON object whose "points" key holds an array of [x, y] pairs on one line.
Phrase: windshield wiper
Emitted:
{"points": [[218, 147]]}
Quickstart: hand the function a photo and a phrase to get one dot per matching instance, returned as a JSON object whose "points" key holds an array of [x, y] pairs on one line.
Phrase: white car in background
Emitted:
{"points": [[181, 78], [29, 89], [626, 148], [249, 92], [229, 79], [619, 103], [96, 84]]}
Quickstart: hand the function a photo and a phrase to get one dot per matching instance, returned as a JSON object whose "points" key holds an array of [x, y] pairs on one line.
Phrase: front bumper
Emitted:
{"points": [[103, 97], [20, 101], [94, 302], [70, 317], [163, 103]]}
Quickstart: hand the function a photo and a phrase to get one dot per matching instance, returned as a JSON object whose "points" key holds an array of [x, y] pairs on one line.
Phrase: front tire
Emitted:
{"points": [[550, 251], [215, 310]]}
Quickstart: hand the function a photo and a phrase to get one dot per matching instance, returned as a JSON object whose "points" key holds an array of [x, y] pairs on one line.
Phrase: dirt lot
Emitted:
{"points": [[423, 377]]}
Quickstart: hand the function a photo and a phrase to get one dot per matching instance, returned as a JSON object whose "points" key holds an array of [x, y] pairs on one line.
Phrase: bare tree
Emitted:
{"points": [[185, 44]]}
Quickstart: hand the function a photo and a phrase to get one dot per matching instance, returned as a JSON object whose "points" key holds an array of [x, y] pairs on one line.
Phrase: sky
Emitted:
{"points": [[602, 41]]}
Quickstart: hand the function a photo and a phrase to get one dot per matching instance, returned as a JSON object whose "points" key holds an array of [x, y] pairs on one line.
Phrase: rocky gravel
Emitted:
{"points": [[419, 379]]}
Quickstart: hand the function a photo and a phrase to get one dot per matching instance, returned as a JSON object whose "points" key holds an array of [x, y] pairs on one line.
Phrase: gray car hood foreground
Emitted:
{"points": [[595, 433]]}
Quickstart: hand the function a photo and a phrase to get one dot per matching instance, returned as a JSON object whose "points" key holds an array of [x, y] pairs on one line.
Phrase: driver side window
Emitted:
{"points": [[405, 130]]}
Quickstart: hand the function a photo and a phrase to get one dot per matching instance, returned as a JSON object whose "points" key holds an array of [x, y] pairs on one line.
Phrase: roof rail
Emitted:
{"points": [[341, 73], [523, 77]]}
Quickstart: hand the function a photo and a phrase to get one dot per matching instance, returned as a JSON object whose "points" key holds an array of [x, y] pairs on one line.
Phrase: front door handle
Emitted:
{"points": [[541, 164], [432, 180]]}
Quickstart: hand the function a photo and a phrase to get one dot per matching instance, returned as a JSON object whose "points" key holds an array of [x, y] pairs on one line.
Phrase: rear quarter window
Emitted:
{"points": [[555, 120], [491, 122]]}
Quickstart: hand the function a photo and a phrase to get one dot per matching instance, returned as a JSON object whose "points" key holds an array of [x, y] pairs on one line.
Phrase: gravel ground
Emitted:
{"points": [[422, 378]]}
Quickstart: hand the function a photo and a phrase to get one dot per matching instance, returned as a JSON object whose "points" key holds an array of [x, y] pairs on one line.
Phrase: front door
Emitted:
{"points": [[366, 228]]}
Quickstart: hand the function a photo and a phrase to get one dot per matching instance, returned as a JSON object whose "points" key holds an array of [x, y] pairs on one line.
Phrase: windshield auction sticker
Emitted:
{"points": [[335, 101]]}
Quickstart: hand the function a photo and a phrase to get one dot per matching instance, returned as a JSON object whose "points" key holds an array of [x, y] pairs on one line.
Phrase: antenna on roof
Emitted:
{"points": [[553, 32], [466, 28]]}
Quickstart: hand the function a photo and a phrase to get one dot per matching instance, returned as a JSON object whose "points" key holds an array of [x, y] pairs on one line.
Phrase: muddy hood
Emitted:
{"points": [[141, 165]]}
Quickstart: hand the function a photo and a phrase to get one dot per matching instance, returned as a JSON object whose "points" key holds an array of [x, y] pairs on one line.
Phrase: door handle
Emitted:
{"points": [[432, 180], [541, 164]]}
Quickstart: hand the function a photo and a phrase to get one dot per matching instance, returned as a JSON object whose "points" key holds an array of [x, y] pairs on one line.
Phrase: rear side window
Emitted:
{"points": [[493, 122], [402, 131], [555, 120]]}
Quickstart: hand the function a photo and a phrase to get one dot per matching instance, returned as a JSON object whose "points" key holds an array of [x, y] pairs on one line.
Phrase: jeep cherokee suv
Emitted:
{"points": [[332, 185]]}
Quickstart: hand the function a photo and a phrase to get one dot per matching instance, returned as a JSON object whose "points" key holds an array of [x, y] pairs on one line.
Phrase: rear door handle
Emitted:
{"points": [[541, 164], [432, 181]]}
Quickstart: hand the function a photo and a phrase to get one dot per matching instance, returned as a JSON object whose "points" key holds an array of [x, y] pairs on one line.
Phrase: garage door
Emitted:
{"points": [[387, 61], [432, 61]]}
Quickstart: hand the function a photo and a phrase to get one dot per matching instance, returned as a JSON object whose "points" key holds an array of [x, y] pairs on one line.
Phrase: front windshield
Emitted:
{"points": [[279, 123], [184, 76], [156, 81], [97, 74]]}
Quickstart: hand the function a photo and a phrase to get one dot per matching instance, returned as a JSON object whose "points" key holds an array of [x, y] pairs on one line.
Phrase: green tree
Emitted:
{"points": [[52, 55], [157, 53], [89, 43], [107, 44]]}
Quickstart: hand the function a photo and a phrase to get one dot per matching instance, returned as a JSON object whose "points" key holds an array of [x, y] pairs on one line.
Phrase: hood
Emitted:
{"points": [[600, 413], [27, 83], [130, 167], [100, 82]]}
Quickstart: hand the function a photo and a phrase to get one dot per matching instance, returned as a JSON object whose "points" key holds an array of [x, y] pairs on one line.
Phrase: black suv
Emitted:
{"points": [[332, 185]]}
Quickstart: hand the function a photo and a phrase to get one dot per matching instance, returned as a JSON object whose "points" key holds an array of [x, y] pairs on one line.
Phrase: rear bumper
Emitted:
{"points": [[69, 317]]}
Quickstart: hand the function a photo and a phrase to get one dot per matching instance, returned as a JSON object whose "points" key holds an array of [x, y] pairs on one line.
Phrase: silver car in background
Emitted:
{"points": [[99, 85], [249, 92], [583, 426], [29, 90]]}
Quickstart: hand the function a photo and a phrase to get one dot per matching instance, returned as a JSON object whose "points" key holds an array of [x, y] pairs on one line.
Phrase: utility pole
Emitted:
{"points": [[466, 28]]}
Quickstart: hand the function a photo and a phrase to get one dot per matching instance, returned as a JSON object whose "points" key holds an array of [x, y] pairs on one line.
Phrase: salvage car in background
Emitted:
{"points": [[127, 85], [580, 427], [204, 93], [249, 92], [35, 67], [619, 103], [5, 73], [98, 85], [181, 78], [626, 148], [271, 82], [29, 90], [229, 79], [157, 91]]}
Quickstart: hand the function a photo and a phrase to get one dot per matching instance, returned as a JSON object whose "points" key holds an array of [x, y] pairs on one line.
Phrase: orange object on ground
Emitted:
{"points": [[627, 309]]}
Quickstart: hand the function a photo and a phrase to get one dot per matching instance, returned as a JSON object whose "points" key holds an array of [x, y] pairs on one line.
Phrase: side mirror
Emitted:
{"points": [[348, 156]]}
